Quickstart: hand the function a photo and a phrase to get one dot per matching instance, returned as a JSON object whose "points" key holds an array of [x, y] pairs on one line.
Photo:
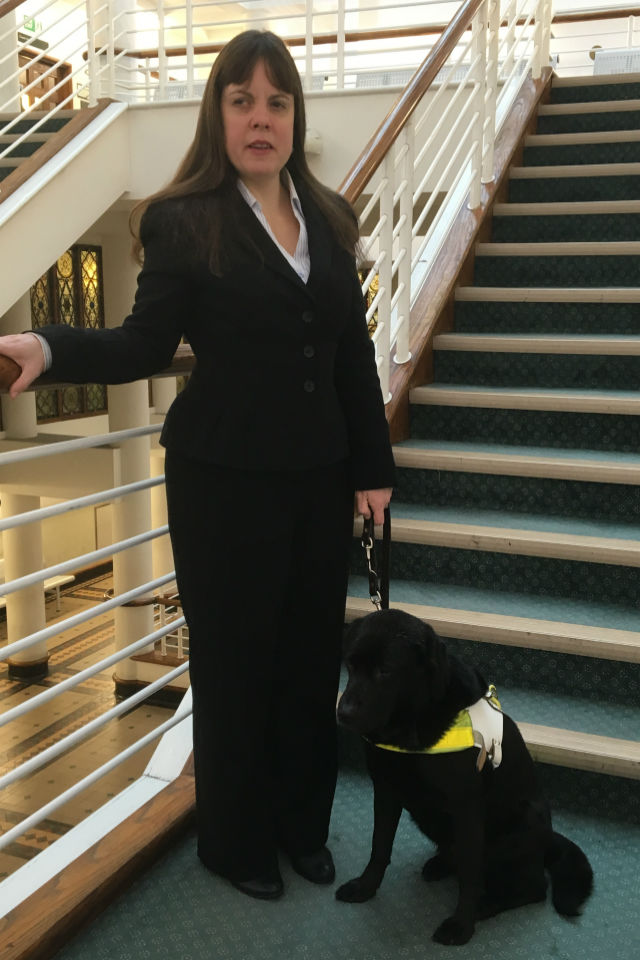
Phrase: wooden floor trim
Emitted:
{"points": [[40, 926], [551, 294], [519, 542], [557, 637], [518, 465], [605, 345], [558, 401]]}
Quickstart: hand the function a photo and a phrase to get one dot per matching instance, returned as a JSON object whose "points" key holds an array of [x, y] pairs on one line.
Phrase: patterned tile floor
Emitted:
{"points": [[27, 736]]}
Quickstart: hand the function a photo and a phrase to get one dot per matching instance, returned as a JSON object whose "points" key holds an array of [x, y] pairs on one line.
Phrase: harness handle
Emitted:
{"points": [[378, 576]]}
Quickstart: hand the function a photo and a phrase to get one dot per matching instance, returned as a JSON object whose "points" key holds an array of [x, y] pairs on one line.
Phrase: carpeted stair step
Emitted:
{"points": [[596, 420], [50, 125], [574, 182], [581, 310], [548, 644], [531, 486], [598, 147], [612, 220], [540, 563], [526, 645], [24, 149], [558, 264], [591, 116], [560, 646], [6, 167], [549, 362], [598, 88]]}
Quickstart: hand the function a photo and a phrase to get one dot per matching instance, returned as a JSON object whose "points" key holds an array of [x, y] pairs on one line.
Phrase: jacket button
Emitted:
{"points": [[309, 351], [309, 386], [307, 316]]}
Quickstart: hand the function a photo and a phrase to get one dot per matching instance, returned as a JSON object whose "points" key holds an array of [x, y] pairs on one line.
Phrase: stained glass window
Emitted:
{"points": [[70, 292]]}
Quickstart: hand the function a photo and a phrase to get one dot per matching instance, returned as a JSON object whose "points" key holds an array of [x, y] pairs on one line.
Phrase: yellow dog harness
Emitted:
{"points": [[479, 725]]}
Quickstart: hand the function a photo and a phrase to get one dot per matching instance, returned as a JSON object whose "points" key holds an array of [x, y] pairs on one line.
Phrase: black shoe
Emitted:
{"points": [[262, 888], [317, 867]]}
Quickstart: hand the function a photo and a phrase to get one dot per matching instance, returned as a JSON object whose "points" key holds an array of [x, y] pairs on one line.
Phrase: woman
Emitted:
{"points": [[250, 258]]}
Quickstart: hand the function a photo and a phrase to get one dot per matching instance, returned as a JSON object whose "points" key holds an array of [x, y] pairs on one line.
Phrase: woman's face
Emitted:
{"points": [[258, 127]]}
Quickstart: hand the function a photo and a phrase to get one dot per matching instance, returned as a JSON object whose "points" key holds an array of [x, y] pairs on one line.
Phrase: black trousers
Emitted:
{"points": [[261, 564]]}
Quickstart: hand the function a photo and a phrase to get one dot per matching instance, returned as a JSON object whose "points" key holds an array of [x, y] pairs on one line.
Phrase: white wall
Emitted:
{"points": [[160, 135]]}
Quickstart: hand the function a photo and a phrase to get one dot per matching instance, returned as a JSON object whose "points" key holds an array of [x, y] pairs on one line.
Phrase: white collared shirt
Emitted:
{"points": [[300, 261]]}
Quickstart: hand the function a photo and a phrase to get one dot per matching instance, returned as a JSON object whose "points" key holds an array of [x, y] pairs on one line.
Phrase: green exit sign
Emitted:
{"points": [[31, 25]]}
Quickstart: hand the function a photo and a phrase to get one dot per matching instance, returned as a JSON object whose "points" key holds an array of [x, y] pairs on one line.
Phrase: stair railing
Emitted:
{"points": [[432, 153], [39, 642], [81, 38]]}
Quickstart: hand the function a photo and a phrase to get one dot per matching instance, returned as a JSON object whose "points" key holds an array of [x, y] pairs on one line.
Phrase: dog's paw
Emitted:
{"points": [[355, 891], [436, 868], [452, 932]]}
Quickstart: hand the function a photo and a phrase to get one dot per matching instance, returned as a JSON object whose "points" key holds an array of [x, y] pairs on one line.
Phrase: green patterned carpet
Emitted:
{"points": [[179, 911]]}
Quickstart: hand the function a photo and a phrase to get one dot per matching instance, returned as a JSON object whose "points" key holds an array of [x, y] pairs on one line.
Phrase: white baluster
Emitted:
{"points": [[491, 91], [406, 143], [308, 54], [479, 58], [341, 43], [162, 55], [92, 57], [383, 331]]}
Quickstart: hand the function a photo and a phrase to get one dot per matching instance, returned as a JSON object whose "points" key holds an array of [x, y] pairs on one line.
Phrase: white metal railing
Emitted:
{"points": [[173, 626], [441, 158]]}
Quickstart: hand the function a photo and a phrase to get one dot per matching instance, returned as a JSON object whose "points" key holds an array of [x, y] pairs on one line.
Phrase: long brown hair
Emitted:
{"points": [[207, 170]]}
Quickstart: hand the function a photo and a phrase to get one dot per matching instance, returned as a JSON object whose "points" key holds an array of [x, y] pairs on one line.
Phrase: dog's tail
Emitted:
{"points": [[571, 875]]}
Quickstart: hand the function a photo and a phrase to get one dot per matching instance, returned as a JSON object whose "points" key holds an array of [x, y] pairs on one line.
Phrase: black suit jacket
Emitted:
{"points": [[285, 375]]}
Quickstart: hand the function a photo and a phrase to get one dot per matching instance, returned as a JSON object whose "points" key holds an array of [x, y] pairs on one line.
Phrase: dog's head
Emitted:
{"points": [[397, 666]]}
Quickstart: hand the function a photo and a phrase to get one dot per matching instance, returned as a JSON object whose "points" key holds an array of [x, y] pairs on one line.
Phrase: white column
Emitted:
{"points": [[128, 407], [161, 550], [25, 609], [22, 547], [164, 393]]}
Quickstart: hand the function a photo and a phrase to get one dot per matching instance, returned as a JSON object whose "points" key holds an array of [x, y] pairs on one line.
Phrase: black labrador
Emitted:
{"points": [[480, 803]]}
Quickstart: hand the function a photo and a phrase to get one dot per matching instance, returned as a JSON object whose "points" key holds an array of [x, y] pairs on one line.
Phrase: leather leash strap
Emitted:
{"points": [[378, 574]]}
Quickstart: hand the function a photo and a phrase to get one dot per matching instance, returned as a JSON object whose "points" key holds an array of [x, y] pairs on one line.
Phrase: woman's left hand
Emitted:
{"points": [[373, 502]]}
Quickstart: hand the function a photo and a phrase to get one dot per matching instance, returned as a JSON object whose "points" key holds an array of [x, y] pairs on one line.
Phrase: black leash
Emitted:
{"points": [[378, 574]]}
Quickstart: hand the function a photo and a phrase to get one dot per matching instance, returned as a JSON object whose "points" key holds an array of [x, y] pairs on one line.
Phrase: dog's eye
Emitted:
{"points": [[380, 674]]}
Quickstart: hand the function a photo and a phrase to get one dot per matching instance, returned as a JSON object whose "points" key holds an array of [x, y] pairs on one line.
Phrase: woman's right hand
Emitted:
{"points": [[27, 352]]}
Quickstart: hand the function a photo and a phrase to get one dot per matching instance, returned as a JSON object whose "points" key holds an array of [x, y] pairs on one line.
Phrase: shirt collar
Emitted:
{"points": [[255, 204]]}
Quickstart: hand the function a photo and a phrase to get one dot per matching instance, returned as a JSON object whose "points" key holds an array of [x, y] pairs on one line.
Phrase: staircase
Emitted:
{"points": [[516, 519], [13, 128]]}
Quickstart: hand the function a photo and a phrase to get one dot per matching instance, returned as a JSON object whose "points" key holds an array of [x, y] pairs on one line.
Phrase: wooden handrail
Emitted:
{"points": [[6, 6], [374, 152]]}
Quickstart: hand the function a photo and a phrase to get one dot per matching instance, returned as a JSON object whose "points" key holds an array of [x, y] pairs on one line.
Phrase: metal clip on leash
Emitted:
{"points": [[378, 578]]}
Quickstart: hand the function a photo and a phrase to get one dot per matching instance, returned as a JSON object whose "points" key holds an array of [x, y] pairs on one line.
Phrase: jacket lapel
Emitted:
{"points": [[321, 243], [256, 238]]}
